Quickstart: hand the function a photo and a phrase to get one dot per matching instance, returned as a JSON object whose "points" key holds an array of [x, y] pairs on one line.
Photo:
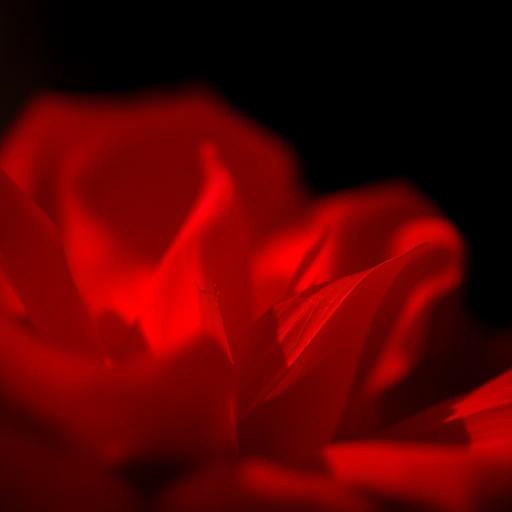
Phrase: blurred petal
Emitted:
{"points": [[258, 485], [107, 276], [442, 374], [464, 463], [335, 237], [478, 419], [419, 319], [419, 323], [119, 175], [179, 405], [36, 477], [303, 357], [10, 303], [142, 160], [42, 136], [442, 274], [206, 264], [429, 477], [33, 260]]}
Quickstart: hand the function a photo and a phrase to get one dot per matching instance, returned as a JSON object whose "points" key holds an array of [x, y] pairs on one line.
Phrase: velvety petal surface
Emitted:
{"points": [[256, 485], [36, 145], [419, 319], [179, 406], [202, 281], [334, 237], [423, 477], [119, 178], [224, 312], [456, 455], [35, 476], [304, 354], [418, 330], [476, 419], [33, 262]]}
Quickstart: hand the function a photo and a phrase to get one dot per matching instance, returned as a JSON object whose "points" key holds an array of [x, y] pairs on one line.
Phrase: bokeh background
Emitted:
{"points": [[360, 100]]}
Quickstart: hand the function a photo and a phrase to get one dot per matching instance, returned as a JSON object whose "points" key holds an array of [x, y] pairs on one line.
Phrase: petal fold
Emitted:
{"points": [[179, 405], [478, 419], [258, 485], [424, 477], [34, 263], [34, 476], [337, 236], [302, 359], [202, 282]]}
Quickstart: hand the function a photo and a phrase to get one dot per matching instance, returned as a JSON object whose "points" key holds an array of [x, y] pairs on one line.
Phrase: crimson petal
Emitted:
{"points": [[255, 485], [335, 237], [34, 476], [429, 477], [178, 405], [477, 419], [301, 361], [34, 262], [204, 271]]}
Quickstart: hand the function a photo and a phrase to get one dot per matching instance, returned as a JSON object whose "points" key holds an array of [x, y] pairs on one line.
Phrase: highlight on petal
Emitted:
{"points": [[359, 323], [303, 357], [179, 406], [294, 260], [107, 277], [119, 176], [35, 265], [144, 153], [339, 236], [204, 271], [35, 476]]}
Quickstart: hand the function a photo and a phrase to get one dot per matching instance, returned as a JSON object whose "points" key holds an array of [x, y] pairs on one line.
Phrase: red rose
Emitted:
{"points": [[183, 327]]}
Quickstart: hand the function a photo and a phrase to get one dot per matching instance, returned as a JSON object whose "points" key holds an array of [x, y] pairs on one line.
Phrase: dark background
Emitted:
{"points": [[361, 99]]}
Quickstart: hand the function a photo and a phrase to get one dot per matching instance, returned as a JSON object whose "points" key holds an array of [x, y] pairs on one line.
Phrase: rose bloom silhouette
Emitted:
{"points": [[184, 327]]}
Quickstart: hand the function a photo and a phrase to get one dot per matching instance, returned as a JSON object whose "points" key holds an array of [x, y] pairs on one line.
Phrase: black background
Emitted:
{"points": [[362, 99]]}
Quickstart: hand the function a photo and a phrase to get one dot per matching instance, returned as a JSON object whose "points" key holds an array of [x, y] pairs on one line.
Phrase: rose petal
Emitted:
{"points": [[33, 260], [208, 257], [42, 136], [419, 325], [121, 175], [36, 477], [10, 303], [442, 274], [179, 405], [411, 325], [424, 476], [442, 373], [124, 173], [153, 140], [258, 485], [464, 463], [335, 237], [303, 357], [477, 419]]}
